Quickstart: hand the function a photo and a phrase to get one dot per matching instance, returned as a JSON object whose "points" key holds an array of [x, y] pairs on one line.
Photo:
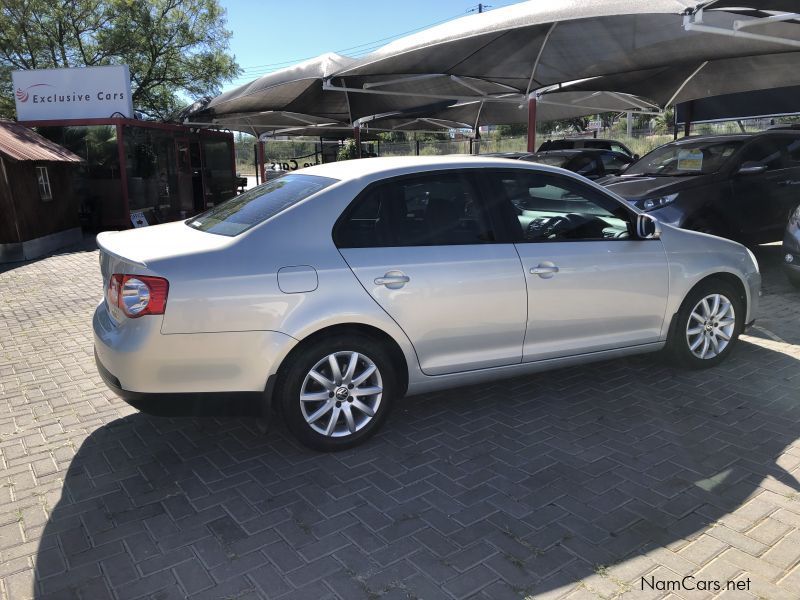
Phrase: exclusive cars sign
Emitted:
{"points": [[81, 93]]}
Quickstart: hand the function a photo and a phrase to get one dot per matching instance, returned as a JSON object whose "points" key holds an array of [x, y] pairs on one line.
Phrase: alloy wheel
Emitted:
{"points": [[711, 326], [341, 394]]}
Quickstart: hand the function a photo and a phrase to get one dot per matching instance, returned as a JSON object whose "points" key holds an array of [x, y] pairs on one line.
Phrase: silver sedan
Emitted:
{"points": [[333, 291]]}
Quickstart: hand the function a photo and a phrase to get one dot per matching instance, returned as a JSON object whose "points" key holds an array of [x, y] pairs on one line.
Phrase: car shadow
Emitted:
{"points": [[522, 486]]}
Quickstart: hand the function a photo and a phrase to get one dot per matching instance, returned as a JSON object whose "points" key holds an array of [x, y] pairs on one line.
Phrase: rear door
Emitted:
{"points": [[424, 248], [591, 286]]}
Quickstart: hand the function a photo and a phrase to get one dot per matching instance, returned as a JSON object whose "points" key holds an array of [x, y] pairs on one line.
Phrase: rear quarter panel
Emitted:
{"points": [[236, 288]]}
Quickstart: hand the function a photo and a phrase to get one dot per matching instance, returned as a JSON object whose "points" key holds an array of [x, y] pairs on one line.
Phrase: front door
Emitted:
{"points": [[591, 286], [762, 202], [423, 247]]}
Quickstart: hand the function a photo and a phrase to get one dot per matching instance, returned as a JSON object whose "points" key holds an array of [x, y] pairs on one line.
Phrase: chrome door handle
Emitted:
{"points": [[544, 270], [393, 280]]}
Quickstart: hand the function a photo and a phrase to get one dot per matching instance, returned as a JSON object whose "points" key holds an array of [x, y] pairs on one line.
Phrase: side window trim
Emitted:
{"points": [[513, 232], [467, 173]]}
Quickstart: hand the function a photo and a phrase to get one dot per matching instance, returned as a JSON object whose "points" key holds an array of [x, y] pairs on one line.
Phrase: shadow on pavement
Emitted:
{"points": [[525, 485]]}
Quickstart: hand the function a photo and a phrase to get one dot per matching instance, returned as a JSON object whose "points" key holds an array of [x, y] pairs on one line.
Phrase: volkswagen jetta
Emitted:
{"points": [[333, 291]]}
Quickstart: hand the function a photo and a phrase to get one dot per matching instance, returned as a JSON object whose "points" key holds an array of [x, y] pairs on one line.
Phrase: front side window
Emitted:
{"points": [[43, 180], [259, 204], [551, 208], [685, 159], [440, 209], [765, 151]]}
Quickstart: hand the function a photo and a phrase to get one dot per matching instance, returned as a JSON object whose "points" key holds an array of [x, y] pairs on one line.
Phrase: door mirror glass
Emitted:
{"points": [[752, 168], [647, 227]]}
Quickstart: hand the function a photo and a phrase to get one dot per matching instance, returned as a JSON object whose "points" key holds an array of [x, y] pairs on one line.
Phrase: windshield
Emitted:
{"points": [[258, 204], [695, 158]]}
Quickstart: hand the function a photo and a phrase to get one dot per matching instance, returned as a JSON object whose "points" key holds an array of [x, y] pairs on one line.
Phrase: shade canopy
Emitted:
{"points": [[531, 45], [643, 48], [673, 84], [560, 105]]}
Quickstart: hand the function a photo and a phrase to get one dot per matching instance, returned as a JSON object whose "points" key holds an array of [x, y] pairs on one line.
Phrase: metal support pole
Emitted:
{"points": [[532, 124], [123, 172], [357, 136], [255, 162], [416, 143], [687, 126], [261, 166], [629, 118]]}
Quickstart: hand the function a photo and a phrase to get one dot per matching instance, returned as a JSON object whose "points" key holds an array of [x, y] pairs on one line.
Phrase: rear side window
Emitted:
{"points": [[440, 209], [259, 204]]}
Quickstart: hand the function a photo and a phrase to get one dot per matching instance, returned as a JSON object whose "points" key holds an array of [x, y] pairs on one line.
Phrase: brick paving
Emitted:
{"points": [[574, 484]]}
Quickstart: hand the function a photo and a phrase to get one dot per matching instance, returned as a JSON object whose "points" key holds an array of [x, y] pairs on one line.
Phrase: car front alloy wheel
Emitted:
{"points": [[707, 325], [710, 327]]}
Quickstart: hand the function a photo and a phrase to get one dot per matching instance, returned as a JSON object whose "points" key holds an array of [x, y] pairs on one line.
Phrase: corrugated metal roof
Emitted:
{"points": [[20, 143]]}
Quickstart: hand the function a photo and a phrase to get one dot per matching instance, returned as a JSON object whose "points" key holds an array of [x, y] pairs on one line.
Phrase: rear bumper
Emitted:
{"points": [[195, 404], [134, 357]]}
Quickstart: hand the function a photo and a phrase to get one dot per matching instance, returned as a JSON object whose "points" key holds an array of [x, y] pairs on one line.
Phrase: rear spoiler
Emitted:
{"points": [[104, 241]]}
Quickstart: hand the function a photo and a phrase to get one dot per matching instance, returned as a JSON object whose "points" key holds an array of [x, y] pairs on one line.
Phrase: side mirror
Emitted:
{"points": [[752, 168], [647, 227], [636, 157]]}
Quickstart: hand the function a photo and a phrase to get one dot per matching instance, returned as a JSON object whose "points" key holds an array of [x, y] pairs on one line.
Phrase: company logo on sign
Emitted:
{"points": [[23, 95], [89, 92]]}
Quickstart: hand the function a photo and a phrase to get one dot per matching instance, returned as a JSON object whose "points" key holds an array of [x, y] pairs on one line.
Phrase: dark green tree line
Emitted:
{"points": [[176, 49]]}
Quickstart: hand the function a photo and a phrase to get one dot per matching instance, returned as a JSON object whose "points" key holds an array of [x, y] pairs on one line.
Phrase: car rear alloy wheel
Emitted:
{"points": [[711, 326], [336, 390], [341, 394]]}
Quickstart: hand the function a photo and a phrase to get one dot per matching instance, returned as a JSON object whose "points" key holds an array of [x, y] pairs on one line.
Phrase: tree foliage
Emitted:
{"points": [[174, 48]]}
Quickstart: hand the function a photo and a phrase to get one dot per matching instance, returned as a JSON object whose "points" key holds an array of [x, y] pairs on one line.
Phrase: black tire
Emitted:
{"points": [[678, 347], [299, 364]]}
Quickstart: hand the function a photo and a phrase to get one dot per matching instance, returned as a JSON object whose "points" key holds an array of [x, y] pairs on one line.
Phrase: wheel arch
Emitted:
{"points": [[728, 277], [342, 329]]}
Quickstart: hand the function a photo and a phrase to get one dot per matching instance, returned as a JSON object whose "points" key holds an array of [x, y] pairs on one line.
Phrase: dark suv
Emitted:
{"points": [[743, 187], [581, 143]]}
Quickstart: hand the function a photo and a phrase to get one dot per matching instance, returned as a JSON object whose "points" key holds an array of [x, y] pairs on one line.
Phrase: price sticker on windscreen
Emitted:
{"points": [[690, 160]]}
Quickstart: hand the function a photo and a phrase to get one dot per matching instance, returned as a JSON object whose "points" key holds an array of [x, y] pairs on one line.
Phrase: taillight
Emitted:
{"points": [[138, 295]]}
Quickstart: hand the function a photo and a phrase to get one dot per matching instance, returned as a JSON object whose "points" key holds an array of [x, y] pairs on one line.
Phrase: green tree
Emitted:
{"points": [[174, 48]]}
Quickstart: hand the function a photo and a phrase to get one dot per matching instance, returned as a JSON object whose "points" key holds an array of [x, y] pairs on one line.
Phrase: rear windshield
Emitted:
{"points": [[555, 160], [258, 204]]}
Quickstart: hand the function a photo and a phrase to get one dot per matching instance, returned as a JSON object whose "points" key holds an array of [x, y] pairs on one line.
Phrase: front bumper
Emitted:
{"points": [[137, 358]]}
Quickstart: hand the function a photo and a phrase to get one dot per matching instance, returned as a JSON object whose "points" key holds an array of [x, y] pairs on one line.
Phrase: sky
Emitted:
{"points": [[269, 35]]}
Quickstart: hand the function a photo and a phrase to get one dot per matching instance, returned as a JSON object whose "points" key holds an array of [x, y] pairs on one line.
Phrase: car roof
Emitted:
{"points": [[575, 151], [400, 165], [505, 154], [730, 137]]}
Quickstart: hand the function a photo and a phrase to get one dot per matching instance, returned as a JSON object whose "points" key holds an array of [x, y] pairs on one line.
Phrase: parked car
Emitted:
{"points": [[791, 249], [337, 289], [592, 163], [743, 187], [579, 143]]}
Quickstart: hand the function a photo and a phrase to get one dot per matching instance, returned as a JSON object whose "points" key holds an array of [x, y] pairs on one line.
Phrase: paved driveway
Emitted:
{"points": [[572, 483]]}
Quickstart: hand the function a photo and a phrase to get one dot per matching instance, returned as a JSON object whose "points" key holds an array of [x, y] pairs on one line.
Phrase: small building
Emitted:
{"points": [[38, 205], [137, 172]]}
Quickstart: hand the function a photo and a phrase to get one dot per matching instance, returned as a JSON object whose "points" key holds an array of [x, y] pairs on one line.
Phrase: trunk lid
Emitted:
{"points": [[141, 247]]}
